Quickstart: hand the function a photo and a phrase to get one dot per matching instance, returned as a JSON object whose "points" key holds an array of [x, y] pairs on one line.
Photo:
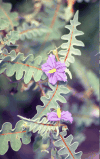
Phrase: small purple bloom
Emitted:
{"points": [[65, 115], [54, 70]]}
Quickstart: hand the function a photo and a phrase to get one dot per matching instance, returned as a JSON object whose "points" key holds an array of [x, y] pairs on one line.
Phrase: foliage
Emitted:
{"points": [[67, 147], [26, 39], [28, 64], [6, 18], [13, 135], [71, 38], [43, 127]]}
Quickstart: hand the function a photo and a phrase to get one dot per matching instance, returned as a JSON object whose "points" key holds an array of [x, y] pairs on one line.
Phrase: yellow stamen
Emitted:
{"points": [[52, 71], [59, 112]]}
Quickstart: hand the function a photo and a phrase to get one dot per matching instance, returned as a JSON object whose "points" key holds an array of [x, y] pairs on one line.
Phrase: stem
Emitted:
{"points": [[81, 96], [40, 86]]}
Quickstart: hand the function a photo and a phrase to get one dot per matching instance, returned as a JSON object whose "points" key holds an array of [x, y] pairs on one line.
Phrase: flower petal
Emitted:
{"points": [[53, 78], [61, 76], [61, 69], [54, 119], [51, 61], [66, 115], [60, 64], [46, 67], [52, 116]]}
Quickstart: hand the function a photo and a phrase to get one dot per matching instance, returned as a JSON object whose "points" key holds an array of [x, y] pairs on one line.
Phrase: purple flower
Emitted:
{"points": [[54, 70], [65, 115]]}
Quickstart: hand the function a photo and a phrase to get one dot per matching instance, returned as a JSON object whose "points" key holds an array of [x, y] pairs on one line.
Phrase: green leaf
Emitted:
{"points": [[21, 64], [66, 147], [50, 102], [43, 127], [14, 136], [53, 22], [7, 18], [11, 37], [32, 31], [67, 54]]}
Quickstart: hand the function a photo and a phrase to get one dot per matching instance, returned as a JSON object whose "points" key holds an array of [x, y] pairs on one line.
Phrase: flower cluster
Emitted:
{"points": [[56, 72]]}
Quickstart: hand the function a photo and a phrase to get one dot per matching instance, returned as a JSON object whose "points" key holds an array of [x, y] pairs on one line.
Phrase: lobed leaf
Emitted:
{"points": [[50, 102], [66, 147], [32, 31], [43, 127], [53, 22], [19, 64], [67, 54], [7, 18], [11, 37], [14, 136]]}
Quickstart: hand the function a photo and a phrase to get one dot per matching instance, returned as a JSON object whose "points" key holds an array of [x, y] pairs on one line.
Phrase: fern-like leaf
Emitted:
{"points": [[31, 32], [66, 147], [53, 22], [50, 102], [71, 38], [14, 136], [7, 18], [21, 64], [43, 127], [4, 53], [11, 37]]}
